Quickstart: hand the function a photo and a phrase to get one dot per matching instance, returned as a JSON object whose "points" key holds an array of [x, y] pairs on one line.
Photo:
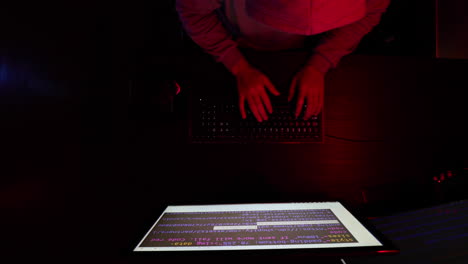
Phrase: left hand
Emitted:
{"points": [[309, 84]]}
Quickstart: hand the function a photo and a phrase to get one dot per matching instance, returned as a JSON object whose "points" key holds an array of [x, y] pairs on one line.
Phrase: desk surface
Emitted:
{"points": [[396, 103], [105, 188]]}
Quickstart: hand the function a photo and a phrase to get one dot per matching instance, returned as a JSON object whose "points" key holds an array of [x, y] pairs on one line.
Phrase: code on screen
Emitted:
{"points": [[248, 228]]}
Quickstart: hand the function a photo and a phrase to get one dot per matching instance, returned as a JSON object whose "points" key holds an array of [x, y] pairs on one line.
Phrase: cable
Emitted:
{"points": [[353, 140]]}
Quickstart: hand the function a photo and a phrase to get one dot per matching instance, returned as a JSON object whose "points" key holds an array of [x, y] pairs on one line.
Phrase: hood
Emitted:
{"points": [[306, 17]]}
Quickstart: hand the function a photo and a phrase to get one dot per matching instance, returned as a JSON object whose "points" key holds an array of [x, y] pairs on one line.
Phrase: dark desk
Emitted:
{"points": [[109, 189], [404, 115]]}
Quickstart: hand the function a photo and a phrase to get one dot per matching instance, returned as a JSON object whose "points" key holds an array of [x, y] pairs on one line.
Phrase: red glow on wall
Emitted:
{"points": [[387, 251], [364, 197], [178, 87]]}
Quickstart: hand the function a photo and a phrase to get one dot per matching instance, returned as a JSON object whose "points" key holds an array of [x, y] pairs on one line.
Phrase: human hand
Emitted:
{"points": [[309, 84], [251, 85]]}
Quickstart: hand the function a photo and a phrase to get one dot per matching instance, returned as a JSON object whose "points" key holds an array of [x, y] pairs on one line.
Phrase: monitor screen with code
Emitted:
{"points": [[256, 227]]}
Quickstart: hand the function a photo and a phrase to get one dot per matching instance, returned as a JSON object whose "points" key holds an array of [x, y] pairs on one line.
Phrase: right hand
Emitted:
{"points": [[251, 85]]}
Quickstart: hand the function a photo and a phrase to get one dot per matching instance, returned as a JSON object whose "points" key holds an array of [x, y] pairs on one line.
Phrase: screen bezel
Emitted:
{"points": [[387, 247]]}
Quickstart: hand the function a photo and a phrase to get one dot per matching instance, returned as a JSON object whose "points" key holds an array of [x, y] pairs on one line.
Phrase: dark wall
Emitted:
{"points": [[452, 27], [407, 28]]}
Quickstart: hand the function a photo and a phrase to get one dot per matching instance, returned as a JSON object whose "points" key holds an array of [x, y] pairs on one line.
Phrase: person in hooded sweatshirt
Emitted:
{"points": [[220, 27]]}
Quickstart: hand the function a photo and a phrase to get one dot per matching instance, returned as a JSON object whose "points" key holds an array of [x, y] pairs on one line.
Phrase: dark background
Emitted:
{"points": [[69, 140]]}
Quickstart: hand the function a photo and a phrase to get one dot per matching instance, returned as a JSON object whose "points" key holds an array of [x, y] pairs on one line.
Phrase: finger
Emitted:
{"points": [[311, 107], [242, 106], [271, 87], [266, 101], [299, 105], [315, 107], [319, 104], [253, 108], [292, 89], [260, 107]]}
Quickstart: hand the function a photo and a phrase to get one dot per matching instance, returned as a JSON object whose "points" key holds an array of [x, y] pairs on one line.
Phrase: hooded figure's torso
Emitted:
{"points": [[284, 24]]}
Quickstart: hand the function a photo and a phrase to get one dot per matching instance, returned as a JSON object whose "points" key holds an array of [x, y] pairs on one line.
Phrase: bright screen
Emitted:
{"points": [[256, 226]]}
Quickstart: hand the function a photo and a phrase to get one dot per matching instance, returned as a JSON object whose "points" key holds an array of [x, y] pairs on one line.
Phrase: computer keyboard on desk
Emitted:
{"points": [[219, 121]]}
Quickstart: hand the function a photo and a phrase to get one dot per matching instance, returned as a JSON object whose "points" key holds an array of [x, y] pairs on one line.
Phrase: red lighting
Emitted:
{"points": [[178, 87], [364, 197], [387, 251]]}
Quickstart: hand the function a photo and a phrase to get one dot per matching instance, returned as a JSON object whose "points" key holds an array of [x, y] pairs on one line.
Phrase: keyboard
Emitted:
{"points": [[217, 120]]}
